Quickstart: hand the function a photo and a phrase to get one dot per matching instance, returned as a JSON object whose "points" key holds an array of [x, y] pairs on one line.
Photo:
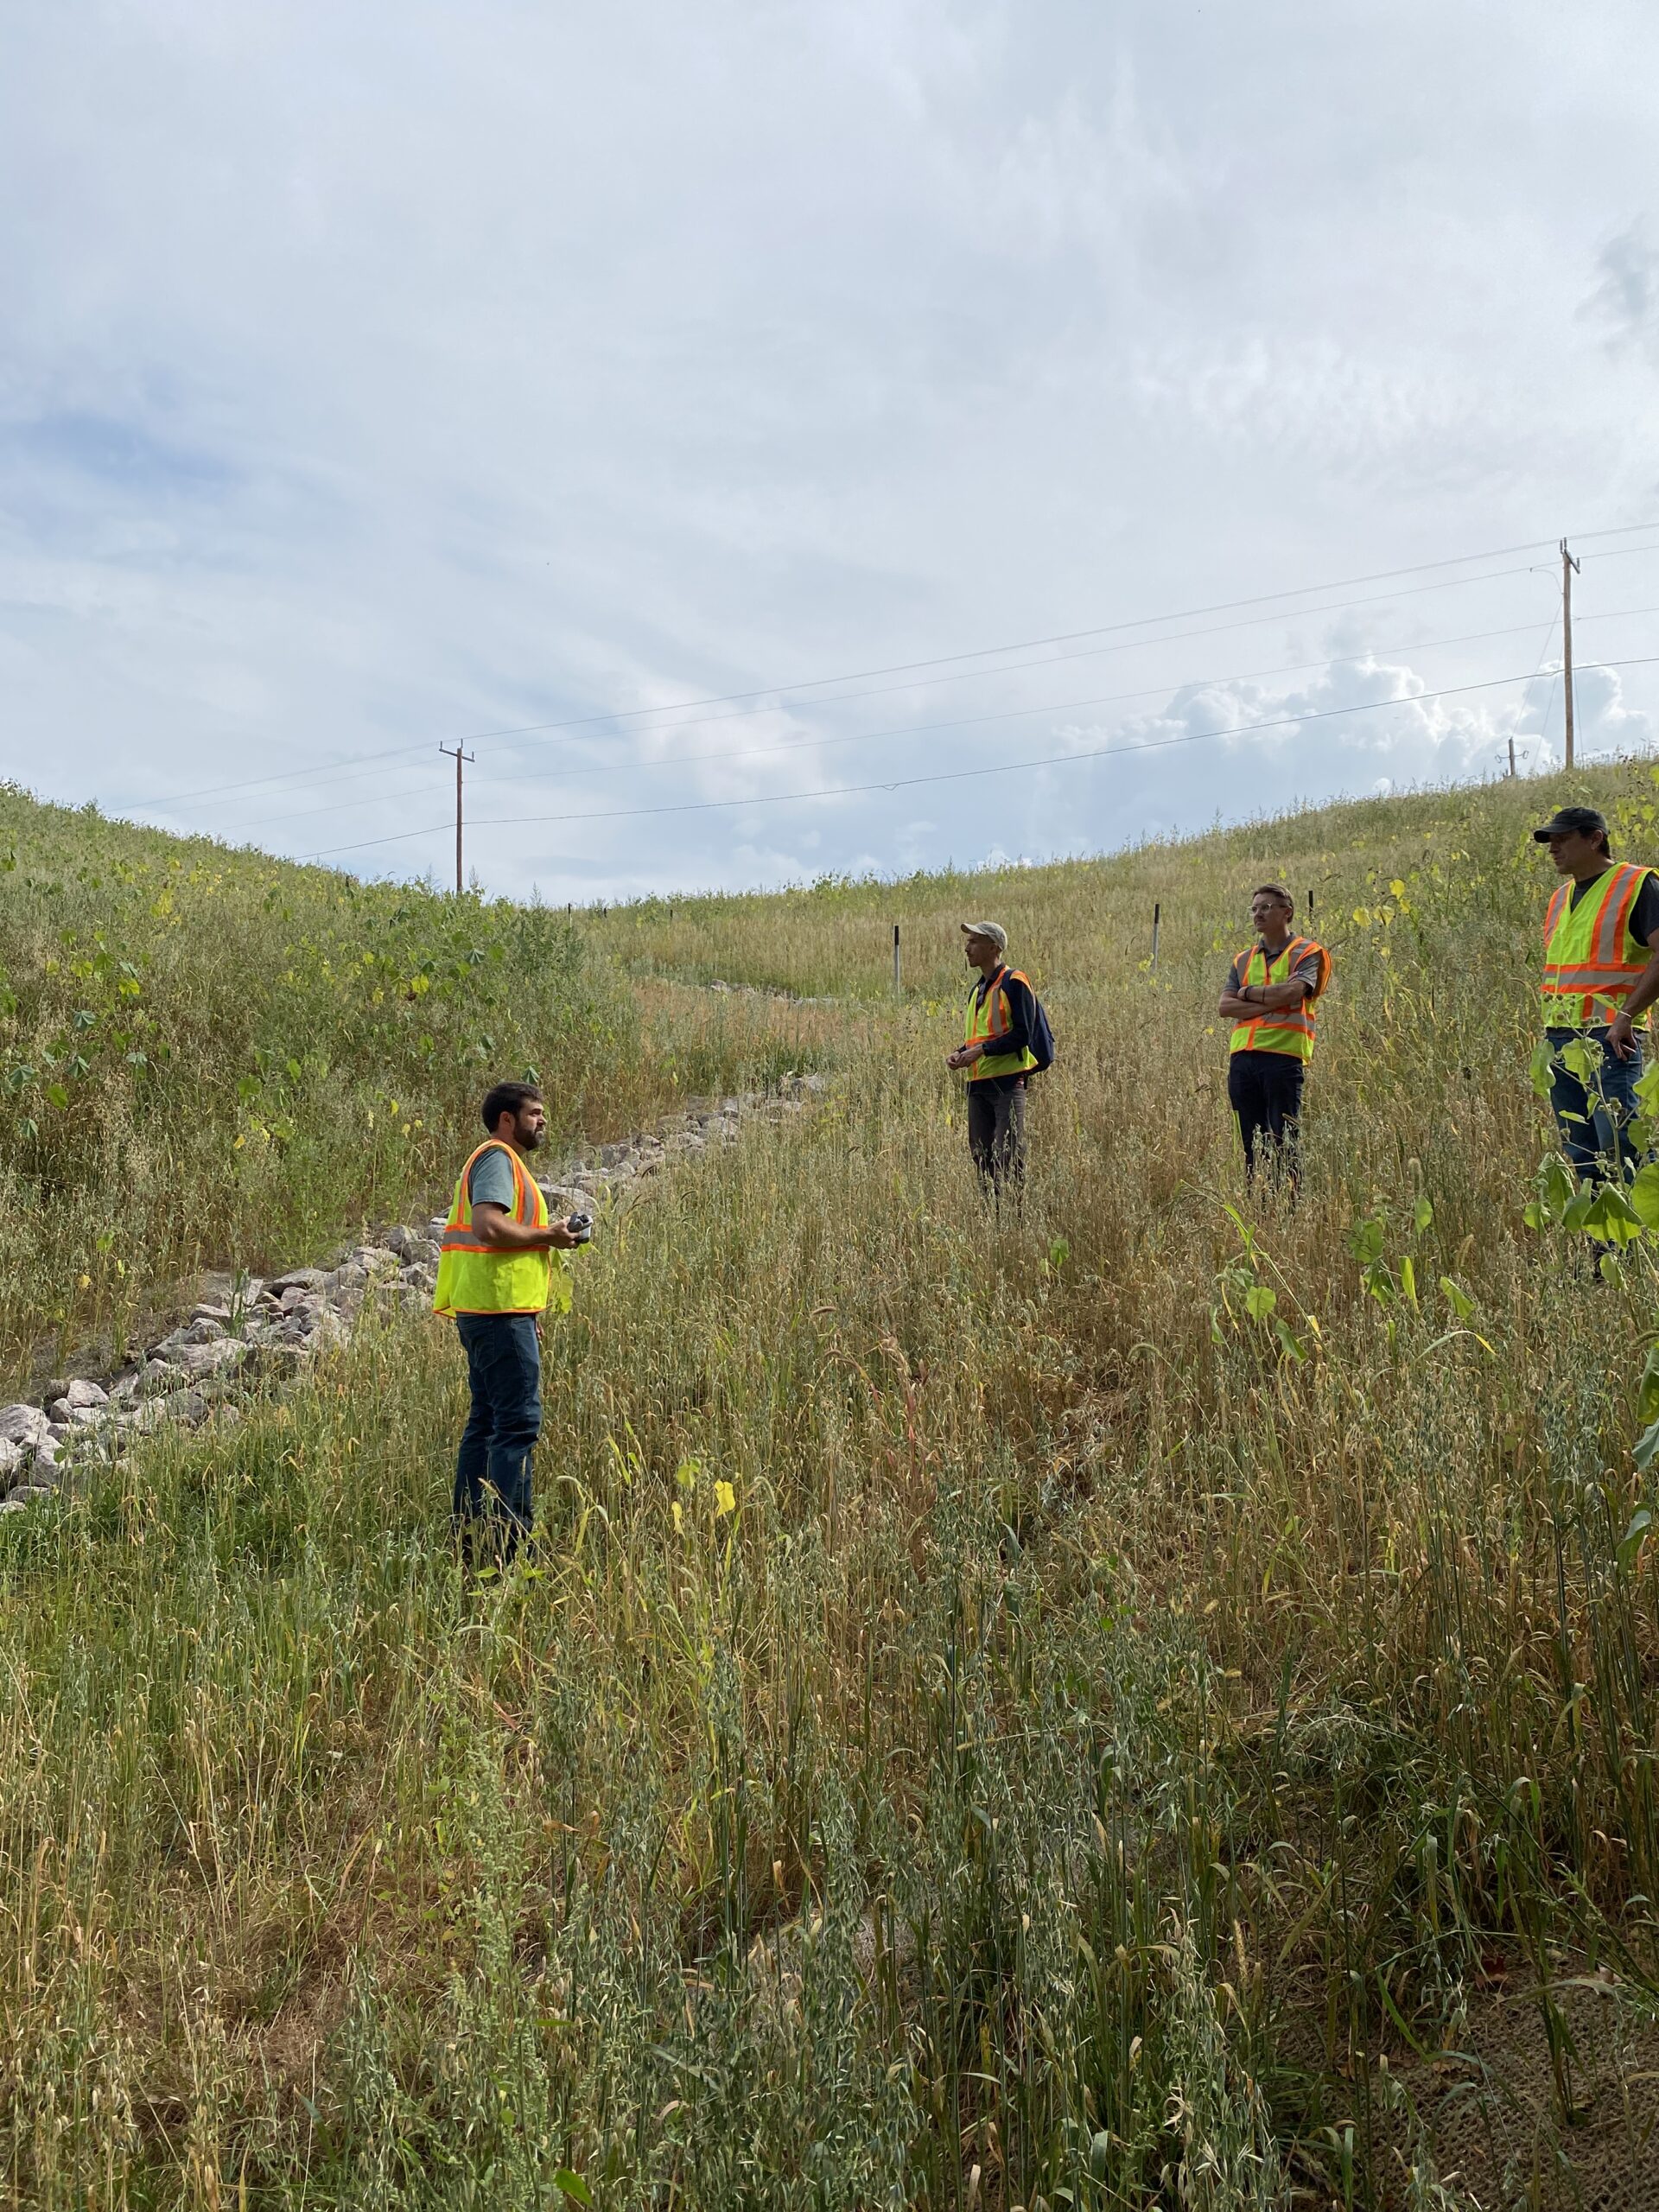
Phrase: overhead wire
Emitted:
{"points": [[1066, 637], [772, 692], [922, 729], [908, 729], [1057, 706], [846, 698], [961, 775]]}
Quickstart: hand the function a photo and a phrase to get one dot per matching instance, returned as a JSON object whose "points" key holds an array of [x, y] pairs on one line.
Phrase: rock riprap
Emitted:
{"points": [[262, 1335]]}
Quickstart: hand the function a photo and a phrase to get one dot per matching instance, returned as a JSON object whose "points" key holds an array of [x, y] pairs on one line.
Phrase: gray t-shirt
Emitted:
{"points": [[491, 1182], [1306, 969]]}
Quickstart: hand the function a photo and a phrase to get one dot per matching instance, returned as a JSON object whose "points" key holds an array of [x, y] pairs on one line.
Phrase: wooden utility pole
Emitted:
{"points": [[454, 752], [1568, 564], [898, 987]]}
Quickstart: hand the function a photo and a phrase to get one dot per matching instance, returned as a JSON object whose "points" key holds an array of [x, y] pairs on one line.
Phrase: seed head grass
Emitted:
{"points": [[1142, 1698]]}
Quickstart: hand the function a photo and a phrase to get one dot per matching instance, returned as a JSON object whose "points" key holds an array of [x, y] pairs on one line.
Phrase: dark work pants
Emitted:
{"points": [[1594, 1117], [493, 1479], [1265, 1089], [996, 1132]]}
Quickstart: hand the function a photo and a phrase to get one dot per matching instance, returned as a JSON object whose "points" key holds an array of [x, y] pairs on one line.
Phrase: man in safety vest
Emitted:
{"points": [[1601, 972], [997, 1052], [497, 1272], [1270, 998]]}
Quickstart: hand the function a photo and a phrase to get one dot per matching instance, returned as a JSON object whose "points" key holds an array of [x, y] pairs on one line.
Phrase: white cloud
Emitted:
{"points": [[382, 375], [1627, 294]]}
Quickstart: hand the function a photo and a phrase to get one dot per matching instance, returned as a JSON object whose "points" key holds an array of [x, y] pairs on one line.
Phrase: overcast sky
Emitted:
{"points": [[377, 375]]}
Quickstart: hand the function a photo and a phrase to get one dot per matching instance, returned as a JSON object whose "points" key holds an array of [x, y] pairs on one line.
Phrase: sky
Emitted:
{"points": [[825, 436]]}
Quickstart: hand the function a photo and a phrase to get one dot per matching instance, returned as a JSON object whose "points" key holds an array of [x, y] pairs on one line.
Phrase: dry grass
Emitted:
{"points": [[215, 1060], [994, 1718]]}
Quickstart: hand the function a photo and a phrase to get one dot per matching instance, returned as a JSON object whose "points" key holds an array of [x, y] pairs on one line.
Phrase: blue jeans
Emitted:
{"points": [[1594, 1118], [503, 1365]]}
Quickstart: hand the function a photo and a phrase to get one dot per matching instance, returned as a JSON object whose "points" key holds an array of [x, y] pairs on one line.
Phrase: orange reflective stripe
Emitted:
{"points": [[1288, 1029], [1561, 979], [1607, 961], [457, 1230], [1614, 922], [478, 1278], [996, 998]]}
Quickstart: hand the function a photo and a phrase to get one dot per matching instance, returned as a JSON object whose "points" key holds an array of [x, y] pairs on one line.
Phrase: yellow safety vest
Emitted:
{"points": [[1591, 958], [474, 1278], [1286, 1028], [987, 1016]]}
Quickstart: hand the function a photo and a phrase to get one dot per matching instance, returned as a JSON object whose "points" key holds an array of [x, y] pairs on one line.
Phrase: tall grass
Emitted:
{"points": [[1087, 924], [1147, 1703], [213, 1058]]}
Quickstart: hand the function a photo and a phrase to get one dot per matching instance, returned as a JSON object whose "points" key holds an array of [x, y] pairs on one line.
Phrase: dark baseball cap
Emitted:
{"points": [[1567, 819]]}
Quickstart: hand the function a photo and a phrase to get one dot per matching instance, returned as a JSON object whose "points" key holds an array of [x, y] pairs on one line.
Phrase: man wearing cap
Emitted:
{"points": [[997, 1052], [1601, 973]]}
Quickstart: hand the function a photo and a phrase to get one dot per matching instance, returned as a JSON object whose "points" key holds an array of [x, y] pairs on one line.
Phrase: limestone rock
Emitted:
{"points": [[24, 1424], [82, 1393], [563, 1199], [67, 1416], [143, 1418], [212, 1358], [202, 1330], [296, 1279], [11, 1457]]}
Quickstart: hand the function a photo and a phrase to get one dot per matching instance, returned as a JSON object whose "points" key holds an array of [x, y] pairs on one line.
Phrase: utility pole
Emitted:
{"points": [[454, 752], [1568, 564], [1511, 760]]}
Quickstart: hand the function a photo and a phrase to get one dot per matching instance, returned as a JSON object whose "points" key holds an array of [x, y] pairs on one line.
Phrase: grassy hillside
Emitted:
{"points": [[214, 1059], [1088, 925], [1153, 1704]]}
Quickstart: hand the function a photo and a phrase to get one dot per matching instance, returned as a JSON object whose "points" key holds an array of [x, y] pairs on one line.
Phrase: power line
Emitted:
{"points": [[1062, 638], [883, 691], [1520, 703], [860, 737], [922, 729], [1057, 706], [776, 690], [1012, 668], [961, 775]]}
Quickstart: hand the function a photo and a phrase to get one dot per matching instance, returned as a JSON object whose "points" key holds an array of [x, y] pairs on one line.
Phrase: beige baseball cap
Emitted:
{"points": [[995, 930]]}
